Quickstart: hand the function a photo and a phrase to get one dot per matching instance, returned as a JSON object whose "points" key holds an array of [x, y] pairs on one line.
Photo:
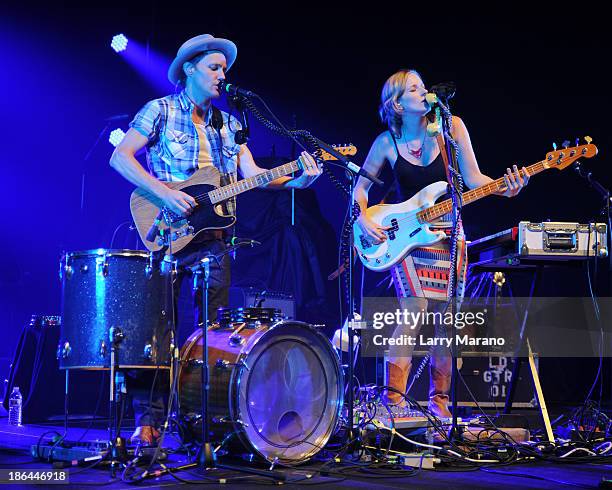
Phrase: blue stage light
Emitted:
{"points": [[116, 136], [119, 43]]}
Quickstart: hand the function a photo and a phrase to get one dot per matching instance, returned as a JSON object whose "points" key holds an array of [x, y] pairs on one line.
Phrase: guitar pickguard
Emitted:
{"points": [[205, 215]]}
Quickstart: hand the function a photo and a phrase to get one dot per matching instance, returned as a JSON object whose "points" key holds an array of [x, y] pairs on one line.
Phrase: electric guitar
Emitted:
{"points": [[410, 221], [159, 227]]}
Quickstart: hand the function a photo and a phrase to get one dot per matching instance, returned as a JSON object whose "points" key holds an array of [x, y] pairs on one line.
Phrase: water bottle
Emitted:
{"points": [[15, 402]]}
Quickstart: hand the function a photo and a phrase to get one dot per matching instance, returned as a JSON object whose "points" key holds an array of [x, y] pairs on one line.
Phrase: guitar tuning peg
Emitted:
{"points": [[588, 139], [577, 142], [565, 144], [554, 146]]}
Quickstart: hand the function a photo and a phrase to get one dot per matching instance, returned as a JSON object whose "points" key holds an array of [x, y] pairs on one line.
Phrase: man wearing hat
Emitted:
{"points": [[181, 133]]}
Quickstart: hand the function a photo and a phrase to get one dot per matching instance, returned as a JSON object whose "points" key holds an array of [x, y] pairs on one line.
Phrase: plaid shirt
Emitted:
{"points": [[173, 146]]}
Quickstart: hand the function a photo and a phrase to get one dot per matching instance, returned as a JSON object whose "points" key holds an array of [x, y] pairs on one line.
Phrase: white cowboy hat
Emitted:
{"points": [[198, 44]]}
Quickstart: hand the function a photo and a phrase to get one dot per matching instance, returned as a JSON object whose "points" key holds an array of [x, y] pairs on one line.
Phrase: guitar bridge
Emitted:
{"points": [[365, 243], [170, 217]]}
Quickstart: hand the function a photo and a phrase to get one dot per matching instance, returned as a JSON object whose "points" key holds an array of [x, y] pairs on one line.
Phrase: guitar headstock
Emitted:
{"points": [[561, 159], [345, 150]]}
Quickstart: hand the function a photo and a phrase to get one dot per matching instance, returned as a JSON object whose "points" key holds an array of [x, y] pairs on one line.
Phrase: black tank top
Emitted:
{"points": [[411, 178]]}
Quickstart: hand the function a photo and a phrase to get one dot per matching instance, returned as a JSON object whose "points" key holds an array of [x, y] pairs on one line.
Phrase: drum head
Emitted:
{"points": [[290, 395]]}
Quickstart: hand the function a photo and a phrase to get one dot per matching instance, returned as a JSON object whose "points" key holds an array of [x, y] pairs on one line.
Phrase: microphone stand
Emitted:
{"points": [[353, 170], [242, 135], [605, 212], [456, 197], [206, 458]]}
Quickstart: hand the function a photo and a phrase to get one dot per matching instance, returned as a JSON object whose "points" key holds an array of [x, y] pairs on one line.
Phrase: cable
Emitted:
{"points": [[534, 477], [293, 134], [98, 403], [116, 230], [598, 317], [420, 369]]}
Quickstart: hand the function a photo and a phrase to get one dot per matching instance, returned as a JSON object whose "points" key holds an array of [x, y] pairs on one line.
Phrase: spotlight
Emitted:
{"points": [[116, 136], [119, 43]]}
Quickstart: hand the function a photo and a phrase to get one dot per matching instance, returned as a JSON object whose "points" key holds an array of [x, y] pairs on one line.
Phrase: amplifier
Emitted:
{"points": [[488, 378], [539, 243], [562, 240], [249, 297], [35, 370]]}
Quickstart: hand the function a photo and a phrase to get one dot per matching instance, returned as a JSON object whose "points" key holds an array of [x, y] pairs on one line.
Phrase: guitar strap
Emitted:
{"points": [[442, 147]]}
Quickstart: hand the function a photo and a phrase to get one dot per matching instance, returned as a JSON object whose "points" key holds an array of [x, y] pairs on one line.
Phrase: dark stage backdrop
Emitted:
{"points": [[523, 81]]}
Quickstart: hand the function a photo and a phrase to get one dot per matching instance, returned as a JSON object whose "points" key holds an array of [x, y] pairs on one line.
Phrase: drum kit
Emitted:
{"points": [[275, 383]]}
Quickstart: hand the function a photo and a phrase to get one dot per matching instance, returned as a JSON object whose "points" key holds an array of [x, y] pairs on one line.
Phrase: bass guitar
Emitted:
{"points": [[410, 221]]}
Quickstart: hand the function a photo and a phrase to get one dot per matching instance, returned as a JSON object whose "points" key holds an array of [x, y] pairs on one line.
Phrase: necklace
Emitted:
{"points": [[418, 153]]}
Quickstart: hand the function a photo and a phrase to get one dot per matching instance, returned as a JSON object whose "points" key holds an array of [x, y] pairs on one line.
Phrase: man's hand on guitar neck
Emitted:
{"points": [[178, 202]]}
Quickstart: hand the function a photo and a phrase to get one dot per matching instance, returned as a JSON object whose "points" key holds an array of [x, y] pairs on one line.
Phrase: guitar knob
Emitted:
{"points": [[588, 139]]}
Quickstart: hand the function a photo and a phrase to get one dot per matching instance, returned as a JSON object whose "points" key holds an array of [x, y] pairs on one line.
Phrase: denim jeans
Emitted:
{"points": [[140, 382]]}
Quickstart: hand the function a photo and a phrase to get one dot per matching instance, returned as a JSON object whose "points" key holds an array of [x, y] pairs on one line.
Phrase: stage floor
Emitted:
{"points": [[15, 443]]}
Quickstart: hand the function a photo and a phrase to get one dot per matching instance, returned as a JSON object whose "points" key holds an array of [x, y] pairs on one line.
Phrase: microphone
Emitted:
{"points": [[444, 90], [117, 117], [231, 89], [438, 97], [153, 232], [242, 135]]}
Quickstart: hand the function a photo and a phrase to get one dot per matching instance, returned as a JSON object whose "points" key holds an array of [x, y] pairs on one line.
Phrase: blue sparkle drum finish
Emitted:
{"points": [[114, 292]]}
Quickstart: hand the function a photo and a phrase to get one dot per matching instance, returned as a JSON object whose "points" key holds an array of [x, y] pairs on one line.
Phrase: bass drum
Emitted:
{"points": [[279, 388]]}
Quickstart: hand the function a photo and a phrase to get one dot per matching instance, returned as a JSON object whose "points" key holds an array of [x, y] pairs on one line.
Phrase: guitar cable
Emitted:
{"points": [[278, 128]]}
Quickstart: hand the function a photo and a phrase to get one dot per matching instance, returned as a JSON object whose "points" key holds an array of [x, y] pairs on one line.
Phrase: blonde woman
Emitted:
{"points": [[416, 162]]}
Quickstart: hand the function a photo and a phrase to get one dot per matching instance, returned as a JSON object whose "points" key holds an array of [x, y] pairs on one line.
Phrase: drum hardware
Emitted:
{"points": [[235, 339], [117, 387], [101, 265], [103, 349], [148, 352], [63, 350], [222, 364], [226, 420], [149, 267], [219, 364]]}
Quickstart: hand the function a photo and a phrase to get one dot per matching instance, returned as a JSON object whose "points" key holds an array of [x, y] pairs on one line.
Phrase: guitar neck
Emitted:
{"points": [[231, 190], [473, 195]]}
